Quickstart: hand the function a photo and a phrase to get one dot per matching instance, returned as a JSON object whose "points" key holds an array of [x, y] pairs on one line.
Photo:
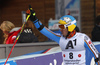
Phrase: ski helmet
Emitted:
{"points": [[67, 21]]}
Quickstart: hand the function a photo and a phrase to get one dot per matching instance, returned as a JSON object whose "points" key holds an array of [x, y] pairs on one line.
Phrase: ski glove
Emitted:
{"points": [[32, 14]]}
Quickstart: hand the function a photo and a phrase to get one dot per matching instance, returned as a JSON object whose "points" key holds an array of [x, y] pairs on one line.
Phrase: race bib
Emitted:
{"points": [[77, 57]]}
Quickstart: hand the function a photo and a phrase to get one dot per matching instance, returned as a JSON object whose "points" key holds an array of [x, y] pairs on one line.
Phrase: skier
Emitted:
{"points": [[73, 44]]}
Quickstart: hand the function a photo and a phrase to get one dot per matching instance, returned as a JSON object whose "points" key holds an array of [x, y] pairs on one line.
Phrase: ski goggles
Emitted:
{"points": [[62, 26], [70, 28]]}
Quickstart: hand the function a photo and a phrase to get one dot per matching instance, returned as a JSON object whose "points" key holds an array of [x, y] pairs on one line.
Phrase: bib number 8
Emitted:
{"points": [[71, 55]]}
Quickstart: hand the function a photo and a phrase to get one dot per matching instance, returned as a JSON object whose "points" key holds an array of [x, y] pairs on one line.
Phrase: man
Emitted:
{"points": [[96, 30], [72, 43]]}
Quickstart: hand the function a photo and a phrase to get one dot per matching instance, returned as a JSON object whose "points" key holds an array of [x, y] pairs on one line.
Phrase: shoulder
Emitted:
{"points": [[82, 35], [86, 37], [15, 29]]}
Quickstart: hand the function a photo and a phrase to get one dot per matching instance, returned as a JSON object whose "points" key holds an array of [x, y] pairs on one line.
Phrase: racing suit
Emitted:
{"points": [[74, 48]]}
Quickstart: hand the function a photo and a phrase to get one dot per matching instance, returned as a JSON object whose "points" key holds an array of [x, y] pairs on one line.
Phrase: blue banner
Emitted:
{"points": [[45, 59]]}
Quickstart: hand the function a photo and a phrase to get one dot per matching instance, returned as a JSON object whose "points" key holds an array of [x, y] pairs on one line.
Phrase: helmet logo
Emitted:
{"points": [[67, 20], [68, 24]]}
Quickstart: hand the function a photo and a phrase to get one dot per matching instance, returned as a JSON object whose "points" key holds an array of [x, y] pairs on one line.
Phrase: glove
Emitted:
{"points": [[97, 59], [32, 14]]}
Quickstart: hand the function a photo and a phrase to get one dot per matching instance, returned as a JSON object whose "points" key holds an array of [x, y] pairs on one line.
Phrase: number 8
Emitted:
{"points": [[71, 55]]}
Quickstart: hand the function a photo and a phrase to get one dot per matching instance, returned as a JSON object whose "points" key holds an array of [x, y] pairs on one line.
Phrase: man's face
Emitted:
{"points": [[64, 32]]}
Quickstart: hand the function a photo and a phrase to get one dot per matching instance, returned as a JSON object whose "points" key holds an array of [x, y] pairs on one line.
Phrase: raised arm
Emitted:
{"points": [[45, 31]]}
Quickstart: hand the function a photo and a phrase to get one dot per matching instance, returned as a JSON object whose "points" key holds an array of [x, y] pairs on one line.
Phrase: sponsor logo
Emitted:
{"points": [[67, 19], [68, 24], [86, 38], [72, 61], [55, 62], [89, 42], [79, 55]]}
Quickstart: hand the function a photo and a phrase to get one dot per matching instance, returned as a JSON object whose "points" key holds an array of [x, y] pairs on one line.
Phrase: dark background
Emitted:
{"points": [[45, 9]]}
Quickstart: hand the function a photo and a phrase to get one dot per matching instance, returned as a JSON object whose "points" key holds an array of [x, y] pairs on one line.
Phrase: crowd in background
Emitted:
{"points": [[10, 32], [96, 30]]}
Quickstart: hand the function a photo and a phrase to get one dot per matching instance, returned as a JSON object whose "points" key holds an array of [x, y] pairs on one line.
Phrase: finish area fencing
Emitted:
{"points": [[31, 54], [24, 48]]}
